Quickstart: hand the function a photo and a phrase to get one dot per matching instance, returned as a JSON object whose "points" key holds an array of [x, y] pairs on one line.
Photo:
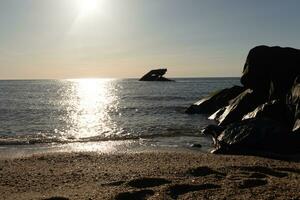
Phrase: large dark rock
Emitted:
{"points": [[293, 100], [216, 116], [215, 101], [155, 75], [212, 130], [296, 127], [271, 70], [253, 135], [240, 106], [275, 110], [264, 115]]}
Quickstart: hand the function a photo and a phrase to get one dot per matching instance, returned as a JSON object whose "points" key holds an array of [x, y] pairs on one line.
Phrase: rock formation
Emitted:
{"points": [[215, 101], [271, 70], [155, 75], [264, 114], [239, 106]]}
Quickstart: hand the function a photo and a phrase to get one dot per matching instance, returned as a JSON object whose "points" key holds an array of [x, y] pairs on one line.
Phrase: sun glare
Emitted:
{"points": [[90, 108], [87, 7]]}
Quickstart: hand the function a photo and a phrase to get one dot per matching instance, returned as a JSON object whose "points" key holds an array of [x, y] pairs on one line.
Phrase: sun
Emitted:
{"points": [[87, 7]]}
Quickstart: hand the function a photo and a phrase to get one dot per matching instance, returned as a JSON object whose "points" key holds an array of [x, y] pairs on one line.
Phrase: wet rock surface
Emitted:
{"points": [[240, 106], [264, 114], [251, 135], [293, 100], [275, 110], [215, 101]]}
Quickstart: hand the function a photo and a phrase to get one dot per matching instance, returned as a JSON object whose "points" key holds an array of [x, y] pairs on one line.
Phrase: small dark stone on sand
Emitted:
{"points": [[196, 145]]}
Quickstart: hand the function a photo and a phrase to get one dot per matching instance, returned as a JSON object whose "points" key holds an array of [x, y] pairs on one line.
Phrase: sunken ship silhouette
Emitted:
{"points": [[155, 75]]}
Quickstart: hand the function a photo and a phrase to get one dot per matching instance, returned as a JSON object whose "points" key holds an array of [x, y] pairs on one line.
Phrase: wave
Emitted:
{"points": [[34, 140], [158, 98]]}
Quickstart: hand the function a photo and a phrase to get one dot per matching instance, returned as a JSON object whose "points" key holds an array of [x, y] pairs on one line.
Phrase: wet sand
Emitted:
{"points": [[148, 175]]}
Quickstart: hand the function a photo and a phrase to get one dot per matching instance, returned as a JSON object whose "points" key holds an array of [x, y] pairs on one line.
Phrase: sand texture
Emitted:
{"points": [[148, 175]]}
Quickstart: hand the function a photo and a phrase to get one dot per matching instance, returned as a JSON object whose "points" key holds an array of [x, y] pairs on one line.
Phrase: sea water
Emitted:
{"points": [[102, 114]]}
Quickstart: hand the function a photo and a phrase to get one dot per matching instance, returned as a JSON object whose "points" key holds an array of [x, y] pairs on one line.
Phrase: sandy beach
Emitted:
{"points": [[148, 175]]}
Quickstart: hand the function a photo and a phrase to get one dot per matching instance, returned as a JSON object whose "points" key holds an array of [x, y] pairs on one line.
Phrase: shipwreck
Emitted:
{"points": [[155, 75]]}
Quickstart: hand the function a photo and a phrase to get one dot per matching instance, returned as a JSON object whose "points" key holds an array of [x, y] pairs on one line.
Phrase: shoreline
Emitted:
{"points": [[178, 143], [148, 175]]}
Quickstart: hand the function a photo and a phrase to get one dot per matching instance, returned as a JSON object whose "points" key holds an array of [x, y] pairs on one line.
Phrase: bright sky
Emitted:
{"points": [[126, 38]]}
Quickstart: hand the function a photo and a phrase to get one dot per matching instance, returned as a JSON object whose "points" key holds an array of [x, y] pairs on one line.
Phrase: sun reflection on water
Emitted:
{"points": [[92, 101]]}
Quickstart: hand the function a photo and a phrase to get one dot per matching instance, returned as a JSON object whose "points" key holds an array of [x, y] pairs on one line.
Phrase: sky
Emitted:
{"points": [[62, 39]]}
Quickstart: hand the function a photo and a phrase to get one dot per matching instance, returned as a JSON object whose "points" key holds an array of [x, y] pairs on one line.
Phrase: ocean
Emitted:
{"points": [[102, 115]]}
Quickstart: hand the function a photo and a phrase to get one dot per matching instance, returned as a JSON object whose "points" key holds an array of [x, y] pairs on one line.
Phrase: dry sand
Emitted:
{"points": [[148, 175]]}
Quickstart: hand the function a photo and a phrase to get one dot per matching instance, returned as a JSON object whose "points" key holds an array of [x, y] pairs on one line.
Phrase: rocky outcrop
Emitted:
{"points": [[215, 101], [264, 114], [296, 127], [155, 75], [293, 100], [240, 106], [271, 70], [253, 135], [275, 110]]}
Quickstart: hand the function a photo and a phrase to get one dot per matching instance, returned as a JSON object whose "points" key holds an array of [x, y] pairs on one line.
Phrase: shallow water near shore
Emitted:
{"points": [[103, 115], [182, 143]]}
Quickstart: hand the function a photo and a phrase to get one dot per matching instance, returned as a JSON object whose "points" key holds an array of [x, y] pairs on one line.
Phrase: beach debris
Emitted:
{"points": [[264, 113], [155, 75]]}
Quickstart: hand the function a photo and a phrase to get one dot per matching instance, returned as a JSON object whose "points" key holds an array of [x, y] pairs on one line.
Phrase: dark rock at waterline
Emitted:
{"points": [[215, 101], [212, 130], [293, 96], [296, 125], [216, 116], [275, 110], [265, 115], [196, 145], [252, 135], [240, 106], [271, 70], [155, 75], [293, 100]]}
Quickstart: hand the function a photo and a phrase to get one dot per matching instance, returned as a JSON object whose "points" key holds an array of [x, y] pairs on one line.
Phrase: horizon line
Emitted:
{"points": [[113, 78]]}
